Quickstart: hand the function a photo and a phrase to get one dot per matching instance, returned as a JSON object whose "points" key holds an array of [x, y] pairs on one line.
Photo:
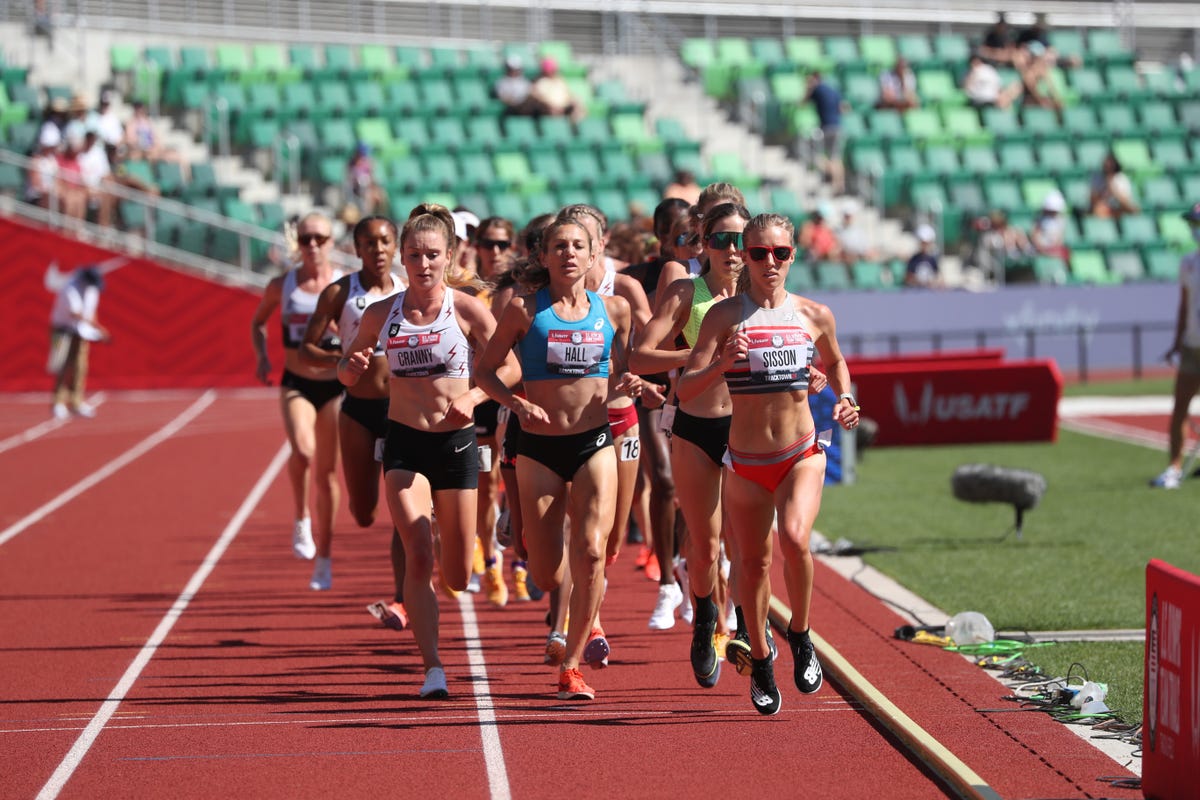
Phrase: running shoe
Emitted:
{"points": [[556, 648], [446, 590], [477, 563], [706, 664], [720, 642], [652, 569], [643, 556], [85, 410], [807, 665], [504, 529], [771, 643], [521, 585], [764, 694], [595, 652], [1168, 479], [494, 586], [60, 411], [669, 598], [302, 541], [686, 612], [535, 593], [737, 652], [571, 686], [390, 614], [322, 577], [435, 684]]}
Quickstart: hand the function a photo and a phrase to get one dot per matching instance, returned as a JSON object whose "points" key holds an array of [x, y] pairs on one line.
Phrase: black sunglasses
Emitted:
{"points": [[781, 253], [686, 238], [306, 239], [488, 244], [721, 240]]}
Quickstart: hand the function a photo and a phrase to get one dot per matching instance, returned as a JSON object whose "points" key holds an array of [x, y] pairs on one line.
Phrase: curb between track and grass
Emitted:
{"points": [[963, 780]]}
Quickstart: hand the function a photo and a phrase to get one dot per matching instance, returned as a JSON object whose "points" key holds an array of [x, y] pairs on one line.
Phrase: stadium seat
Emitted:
{"points": [[915, 48], [1118, 118], [952, 49], [1138, 230], [699, 54], [1100, 231], [799, 278], [1043, 122], [877, 50], [1087, 266], [1162, 264], [1105, 45], [369, 100], [806, 52], [1050, 270], [1126, 265], [1016, 158], [768, 52], [843, 50], [869, 275], [1175, 231], [1161, 192], [1158, 117], [1134, 155], [831, 275], [1034, 190], [938, 87], [1002, 122]]}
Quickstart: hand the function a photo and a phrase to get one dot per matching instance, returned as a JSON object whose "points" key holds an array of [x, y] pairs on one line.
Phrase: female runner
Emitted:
{"points": [[430, 459], [761, 344]]}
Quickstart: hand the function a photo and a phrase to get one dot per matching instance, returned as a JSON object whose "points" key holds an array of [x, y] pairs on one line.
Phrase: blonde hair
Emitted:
{"points": [[716, 193], [434, 217], [761, 223]]}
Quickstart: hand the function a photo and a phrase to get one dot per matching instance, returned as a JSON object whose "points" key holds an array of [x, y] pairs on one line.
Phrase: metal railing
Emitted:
{"points": [[230, 250]]}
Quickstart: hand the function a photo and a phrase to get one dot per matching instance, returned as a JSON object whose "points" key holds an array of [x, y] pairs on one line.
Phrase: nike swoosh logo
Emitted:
{"points": [[460, 449]]}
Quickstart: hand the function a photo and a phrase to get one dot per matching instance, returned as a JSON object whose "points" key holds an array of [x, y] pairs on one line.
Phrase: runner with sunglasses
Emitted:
{"points": [[761, 344], [712, 196], [362, 425], [430, 457], [569, 339], [699, 432], [310, 397]]}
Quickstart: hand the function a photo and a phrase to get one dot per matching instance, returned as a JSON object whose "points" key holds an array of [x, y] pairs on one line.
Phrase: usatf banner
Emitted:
{"points": [[1171, 714]]}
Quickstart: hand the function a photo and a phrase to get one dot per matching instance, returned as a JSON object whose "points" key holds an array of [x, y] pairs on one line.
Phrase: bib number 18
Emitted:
{"points": [[631, 448]]}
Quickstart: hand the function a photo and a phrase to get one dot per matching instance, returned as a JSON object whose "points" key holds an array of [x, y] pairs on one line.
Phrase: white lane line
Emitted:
{"points": [[109, 707], [493, 752], [42, 428], [121, 461], [1117, 431]]}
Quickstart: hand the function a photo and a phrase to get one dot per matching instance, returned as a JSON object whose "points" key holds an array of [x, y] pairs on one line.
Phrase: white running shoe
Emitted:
{"points": [[686, 612], [669, 598], [60, 411], [322, 577], [730, 614], [302, 541], [435, 684], [1169, 479], [85, 410]]}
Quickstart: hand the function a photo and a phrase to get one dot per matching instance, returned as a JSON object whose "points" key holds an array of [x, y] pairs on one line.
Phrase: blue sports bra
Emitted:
{"points": [[555, 348]]}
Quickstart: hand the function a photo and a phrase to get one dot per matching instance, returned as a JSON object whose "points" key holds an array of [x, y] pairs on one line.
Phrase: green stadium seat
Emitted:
{"points": [[1100, 231], [299, 100], [1001, 122], [1050, 270], [869, 275], [162, 57], [1079, 119], [484, 132], [1055, 156], [866, 157], [788, 87], [915, 48], [1034, 190], [924, 124], [512, 167], [555, 130], [476, 170], [799, 278], [339, 62], [1138, 230], [123, 57], [938, 87], [1003, 193], [1161, 192], [1087, 266], [768, 52], [1043, 122], [1119, 119], [952, 49], [264, 99], [860, 89], [1189, 187], [831, 276], [1016, 158], [1090, 153], [336, 136], [195, 61], [262, 132], [304, 58], [928, 194], [436, 94], [413, 130], [619, 165], [333, 98], [446, 133], [806, 52], [168, 177], [904, 158], [1162, 263], [375, 132], [1189, 113], [593, 130], [1158, 117], [1175, 231], [1088, 83], [232, 60], [377, 61], [485, 60], [979, 160], [12, 179], [1134, 155], [1162, 82], [269, 61], [402, 97], [1068, 42], [630, 129], [843, 50], [728, 166], [367, 99], [656, 167], [520, 131], [1105, 45], [942, 159], [1123, 82], [699, 54], [583, 165], [1077, 190], [887, 124], [878, 50], [962, 123], [734, 51]]}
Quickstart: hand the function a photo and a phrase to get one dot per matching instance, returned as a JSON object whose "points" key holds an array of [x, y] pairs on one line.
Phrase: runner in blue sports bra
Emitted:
{"points": [[430, 458], [761, 344], [308, 395], [566, 336], [363, 421]]}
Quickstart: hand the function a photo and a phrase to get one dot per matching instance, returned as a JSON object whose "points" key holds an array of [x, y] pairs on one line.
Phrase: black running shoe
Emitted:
{"points": [[737, 652], [706, 664], [807, 666], [764, 694]]}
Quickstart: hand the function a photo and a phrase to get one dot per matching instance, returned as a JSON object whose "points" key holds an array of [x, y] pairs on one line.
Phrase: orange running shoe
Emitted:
{"points": [[571, 686], [390, 614], [643, 556], [652, 570], [494, 586], [556, 648]]}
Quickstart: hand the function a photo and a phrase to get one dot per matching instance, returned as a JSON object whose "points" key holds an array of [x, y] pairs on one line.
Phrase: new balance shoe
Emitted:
{"points": [[737, 652], [494, 586], [706, 664], [521, 585], [302, 541], [473, 583], [1169, 478], [434, 687], [556, 648], [595, 652], [390, 615], [571, 686], [764, 694], [807, 666], [669, 598], [322, 577]]}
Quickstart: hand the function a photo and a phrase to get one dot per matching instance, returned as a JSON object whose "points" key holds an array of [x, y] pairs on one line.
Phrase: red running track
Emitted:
{"points": [[260, 687]]}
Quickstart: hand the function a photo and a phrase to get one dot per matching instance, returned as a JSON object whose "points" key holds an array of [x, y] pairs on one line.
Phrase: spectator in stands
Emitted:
{"points": [[898, 87], [55, 116], [43, 22], [552, 94], [95, 169], [72, 193], [999, 43], [684, 187], [360, 187], [829, 106], [1039, 32], [1049, 233], [119, 175], [76, 125], [1000, 246], [1111, 190], [853, 238], [817, 239], [922, 270], [1186, 348], [106, 120], [43, 167], [142, 142], [514, 89], [1034, 65], [984, 87]]}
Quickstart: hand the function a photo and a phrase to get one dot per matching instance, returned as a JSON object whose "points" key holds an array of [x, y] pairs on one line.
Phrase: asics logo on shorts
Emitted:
{"points": [[602, 439]]}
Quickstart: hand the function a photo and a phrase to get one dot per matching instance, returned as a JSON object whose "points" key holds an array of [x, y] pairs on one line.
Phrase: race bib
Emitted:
{"points": [[414, 355], [574, 352], [631, 448], [779, 356], [296, 325]]}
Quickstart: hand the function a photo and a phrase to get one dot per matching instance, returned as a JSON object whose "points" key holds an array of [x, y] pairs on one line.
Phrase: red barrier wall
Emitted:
{"points": [[955, 402], [169, 329], [1171, 714]]}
